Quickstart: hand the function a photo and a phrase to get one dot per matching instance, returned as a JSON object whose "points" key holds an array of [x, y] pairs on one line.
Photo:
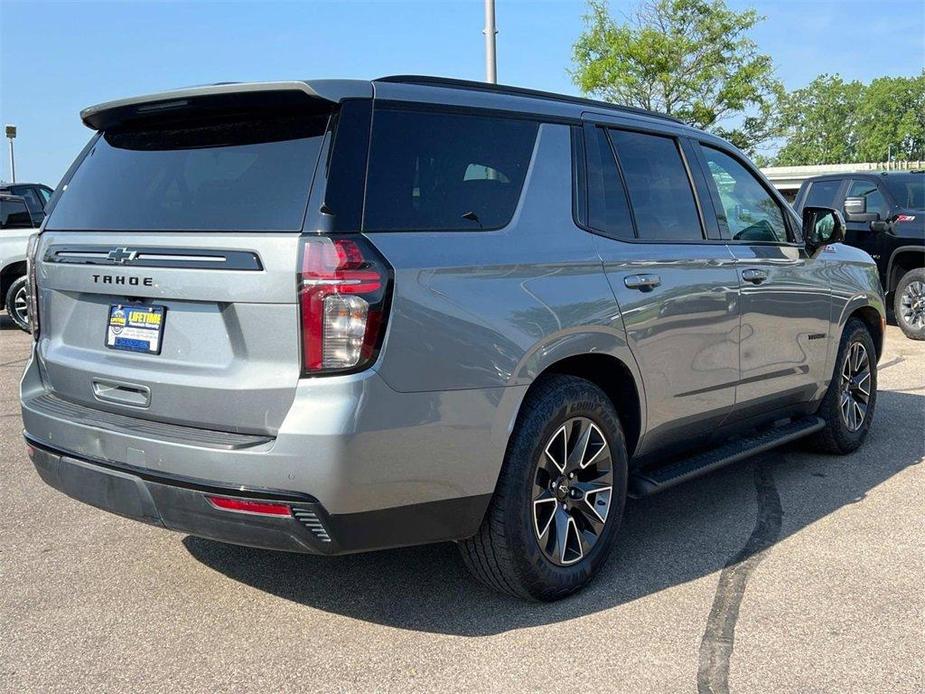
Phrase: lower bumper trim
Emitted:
{"points": [[183, 506]]}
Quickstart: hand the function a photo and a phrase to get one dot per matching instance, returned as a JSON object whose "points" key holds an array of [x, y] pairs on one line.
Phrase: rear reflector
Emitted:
{"points": [[260, 508]]}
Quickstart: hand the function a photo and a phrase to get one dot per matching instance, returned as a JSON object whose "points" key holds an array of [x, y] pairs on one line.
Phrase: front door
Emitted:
{"points": [[859, 233], [784, 298]]}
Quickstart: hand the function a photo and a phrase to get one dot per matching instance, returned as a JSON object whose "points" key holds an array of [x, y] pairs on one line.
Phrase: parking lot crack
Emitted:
{"points": [[717, 643]]}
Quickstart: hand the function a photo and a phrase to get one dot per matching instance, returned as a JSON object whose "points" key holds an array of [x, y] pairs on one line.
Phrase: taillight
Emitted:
{"points": [[33, 290], [905, 218], [344, 287]]}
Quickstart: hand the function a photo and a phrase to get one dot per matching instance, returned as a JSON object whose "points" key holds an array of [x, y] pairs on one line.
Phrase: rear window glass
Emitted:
{"points": [[908, 190], [443, 171], [659, 188], [247, 175], [608, 209]]}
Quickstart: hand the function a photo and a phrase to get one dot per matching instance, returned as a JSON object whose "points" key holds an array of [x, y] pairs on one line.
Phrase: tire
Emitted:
{"points": [[518, 550], [17, 306], [843, 433], [909, 304]]}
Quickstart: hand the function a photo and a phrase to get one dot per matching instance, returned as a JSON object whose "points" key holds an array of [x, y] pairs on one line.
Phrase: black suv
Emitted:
{"points": [[885, 216]]}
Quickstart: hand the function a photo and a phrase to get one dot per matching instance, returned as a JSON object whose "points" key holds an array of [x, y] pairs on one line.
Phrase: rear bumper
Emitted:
{"points": [[350, 442], [182, 505]]}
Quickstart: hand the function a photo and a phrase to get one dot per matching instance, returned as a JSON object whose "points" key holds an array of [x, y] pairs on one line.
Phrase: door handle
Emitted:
{"points": [[642, 282], [754, 276]]}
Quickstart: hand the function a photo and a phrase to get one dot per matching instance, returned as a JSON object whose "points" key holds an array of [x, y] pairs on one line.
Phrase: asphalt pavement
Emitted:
{"points": [[790, 572]]}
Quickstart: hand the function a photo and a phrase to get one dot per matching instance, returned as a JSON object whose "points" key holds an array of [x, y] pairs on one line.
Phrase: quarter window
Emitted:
{"points": [[751, 213], [659, 187], [443, 171]]}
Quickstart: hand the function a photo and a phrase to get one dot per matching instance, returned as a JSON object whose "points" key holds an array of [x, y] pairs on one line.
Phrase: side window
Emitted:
{"points": [[14, 215], [659, 187], [608, 209], [33, 202], [871, 193], [445, 171], [822, 193], [751, 213], [46, 194]]}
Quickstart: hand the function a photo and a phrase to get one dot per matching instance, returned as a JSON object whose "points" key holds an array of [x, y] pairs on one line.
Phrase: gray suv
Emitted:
{"points": [[336, 316]]}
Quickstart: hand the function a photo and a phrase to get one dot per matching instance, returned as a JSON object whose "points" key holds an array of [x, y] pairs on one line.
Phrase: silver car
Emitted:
{"points": [[336, 316]]}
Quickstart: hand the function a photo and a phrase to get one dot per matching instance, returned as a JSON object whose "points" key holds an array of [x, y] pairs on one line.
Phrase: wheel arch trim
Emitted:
{"points": [[601, 343], [891, 267]]}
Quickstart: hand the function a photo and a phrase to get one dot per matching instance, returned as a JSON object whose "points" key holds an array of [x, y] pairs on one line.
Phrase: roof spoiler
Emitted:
{"points": [[222, 98]]}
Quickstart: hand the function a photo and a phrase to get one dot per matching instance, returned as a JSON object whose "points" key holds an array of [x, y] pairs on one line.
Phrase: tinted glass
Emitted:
{"points": [[608, 209], [45, 193], [822, 193], [248, 175], [441, 171], [868, 190], [751, 213], [33, 202], [659, 188], [14, 215], [908, 189], [343, 195]]}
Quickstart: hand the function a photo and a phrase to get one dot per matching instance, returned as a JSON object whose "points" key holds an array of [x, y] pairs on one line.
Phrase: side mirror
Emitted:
{"points": [[856, 210], [822, 226]]}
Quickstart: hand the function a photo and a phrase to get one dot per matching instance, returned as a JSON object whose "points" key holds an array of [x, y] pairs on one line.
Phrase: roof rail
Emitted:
{"points": [[519, 91]]}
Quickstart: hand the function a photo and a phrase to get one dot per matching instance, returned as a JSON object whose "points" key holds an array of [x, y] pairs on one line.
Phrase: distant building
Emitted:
{"points": [[787, 179]]}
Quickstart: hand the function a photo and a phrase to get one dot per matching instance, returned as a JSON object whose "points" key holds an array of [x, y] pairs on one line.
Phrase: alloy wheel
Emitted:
{"points": [[855, 386], [572, 491], [912, 305], [20, 307]]}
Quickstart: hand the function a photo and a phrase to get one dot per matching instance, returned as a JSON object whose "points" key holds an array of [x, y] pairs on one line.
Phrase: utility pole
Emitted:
{"points": [[491, 65], [11, 135]]}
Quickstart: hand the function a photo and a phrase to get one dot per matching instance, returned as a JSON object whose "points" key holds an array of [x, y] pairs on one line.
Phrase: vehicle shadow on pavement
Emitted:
{"points": [[667, 540]]}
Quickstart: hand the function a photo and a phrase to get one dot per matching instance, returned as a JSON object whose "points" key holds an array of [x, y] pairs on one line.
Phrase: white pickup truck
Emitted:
{"points": [[16, 225]]}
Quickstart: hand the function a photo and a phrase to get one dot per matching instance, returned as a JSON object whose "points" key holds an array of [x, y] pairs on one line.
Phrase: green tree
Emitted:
{"points": [[692, 59], [831, 121], [891, 119], [820, 121]]}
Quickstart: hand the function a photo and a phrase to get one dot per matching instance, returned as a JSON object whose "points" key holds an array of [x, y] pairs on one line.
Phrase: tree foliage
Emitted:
{"points": [[831, 121], [692, 59]]}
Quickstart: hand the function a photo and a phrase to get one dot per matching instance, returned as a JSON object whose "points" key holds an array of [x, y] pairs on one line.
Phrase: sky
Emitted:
{"points": [[59, 57]]}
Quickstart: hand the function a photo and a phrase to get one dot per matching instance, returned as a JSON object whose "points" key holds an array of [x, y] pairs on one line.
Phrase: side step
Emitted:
{"points": [[657, 479]]}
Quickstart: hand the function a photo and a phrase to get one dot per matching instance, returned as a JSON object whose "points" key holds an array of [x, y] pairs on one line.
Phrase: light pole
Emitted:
{"points": [[11, 135], [491, 65]]}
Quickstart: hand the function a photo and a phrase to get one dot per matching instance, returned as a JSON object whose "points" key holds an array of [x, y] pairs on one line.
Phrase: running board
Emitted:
{"points": [[658, 479]]}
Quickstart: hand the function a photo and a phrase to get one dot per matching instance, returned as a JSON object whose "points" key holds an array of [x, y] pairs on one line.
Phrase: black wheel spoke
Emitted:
{"points": [[572, 490]]}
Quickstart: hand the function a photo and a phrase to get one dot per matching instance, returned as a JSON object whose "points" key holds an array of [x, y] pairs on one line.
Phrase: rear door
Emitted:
{"points": [[676, 288], [168, 270], [784, 298]]}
